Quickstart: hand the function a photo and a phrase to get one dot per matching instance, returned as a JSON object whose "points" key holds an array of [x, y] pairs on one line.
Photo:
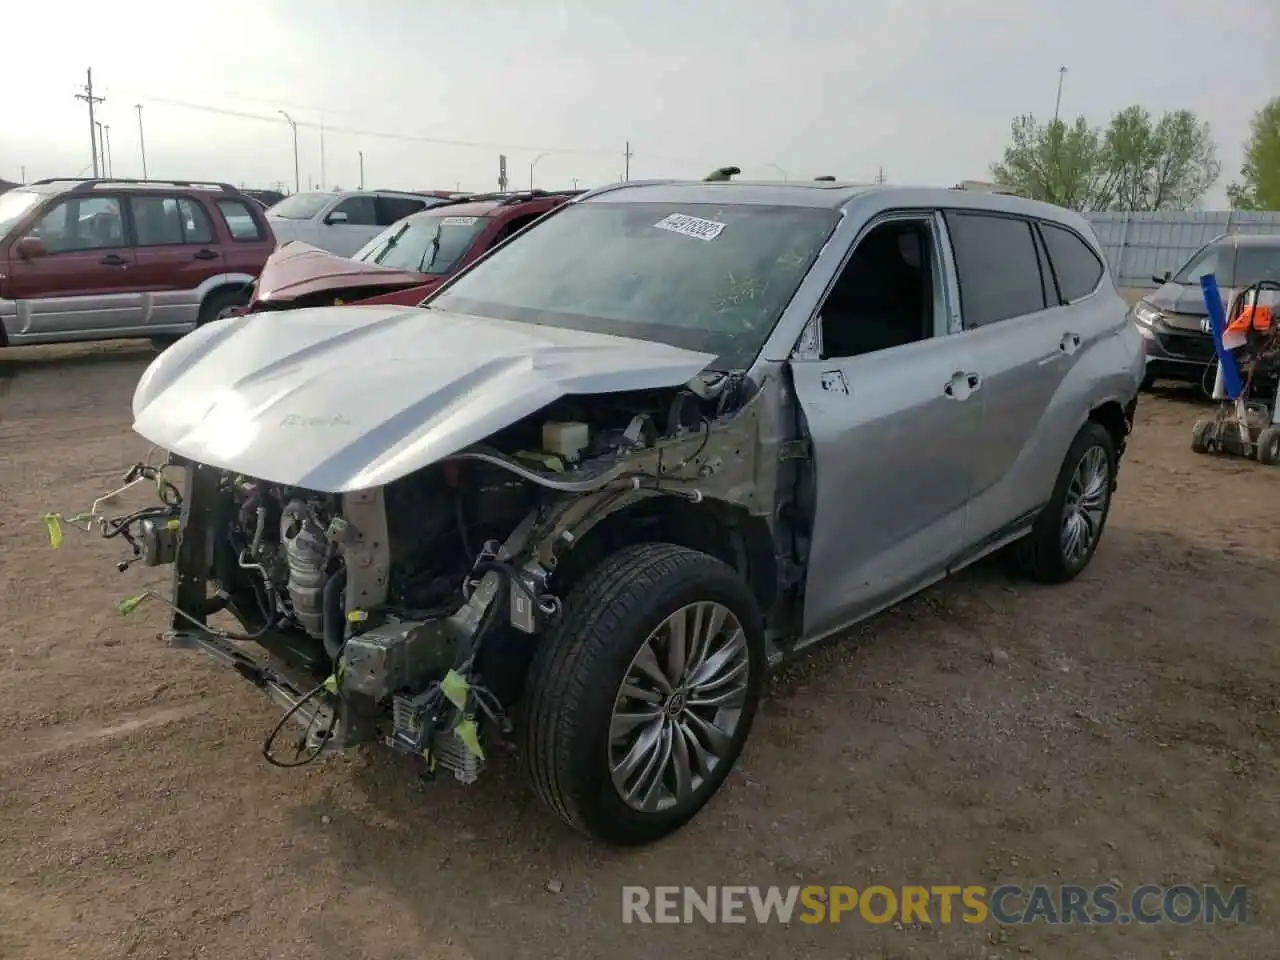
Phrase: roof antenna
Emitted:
{"points": [[722, 173]]}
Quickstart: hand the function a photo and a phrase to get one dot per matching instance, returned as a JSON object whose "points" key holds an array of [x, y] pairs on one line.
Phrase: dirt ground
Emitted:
{"points": [[1121, 728]]}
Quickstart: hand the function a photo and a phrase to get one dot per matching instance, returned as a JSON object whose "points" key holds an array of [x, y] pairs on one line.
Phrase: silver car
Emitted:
{"points": [[591, 491], [342, 223]]}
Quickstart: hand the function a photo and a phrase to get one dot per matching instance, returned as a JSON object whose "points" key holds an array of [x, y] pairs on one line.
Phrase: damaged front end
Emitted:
{"points": [[409, 613]]}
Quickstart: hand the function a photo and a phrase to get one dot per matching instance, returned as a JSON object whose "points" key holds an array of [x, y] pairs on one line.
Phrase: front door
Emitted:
{"points": [[891, 410], [360, 226], [84, 284]]}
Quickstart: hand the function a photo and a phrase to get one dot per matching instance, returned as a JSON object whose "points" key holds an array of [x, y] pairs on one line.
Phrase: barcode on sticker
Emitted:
{"points": [[458, 221], [688, 226]]}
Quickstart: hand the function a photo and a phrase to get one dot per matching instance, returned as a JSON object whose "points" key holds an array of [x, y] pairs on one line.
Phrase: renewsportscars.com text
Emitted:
{"points": [[942, 904]]}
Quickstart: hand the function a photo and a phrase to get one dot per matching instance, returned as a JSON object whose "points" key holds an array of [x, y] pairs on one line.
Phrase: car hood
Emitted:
{"points": [[298, 269], [1186, 299], [348, 398]]}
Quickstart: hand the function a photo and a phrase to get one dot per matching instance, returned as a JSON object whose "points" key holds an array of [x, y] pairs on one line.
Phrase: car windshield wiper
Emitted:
{"points": [[435, 250]]}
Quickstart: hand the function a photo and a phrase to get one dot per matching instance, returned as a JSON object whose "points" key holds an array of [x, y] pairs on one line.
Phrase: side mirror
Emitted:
{"points": [[1164, 279], [338, 216], [29, 248]]}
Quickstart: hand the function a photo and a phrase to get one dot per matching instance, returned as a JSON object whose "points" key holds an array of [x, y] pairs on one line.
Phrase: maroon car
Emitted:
{"points": [[406, 261]]}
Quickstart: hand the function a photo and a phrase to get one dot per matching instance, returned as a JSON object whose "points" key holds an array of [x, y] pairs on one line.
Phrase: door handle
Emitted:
{"points": [[113, 260], [206, 254], [1069, 343]]}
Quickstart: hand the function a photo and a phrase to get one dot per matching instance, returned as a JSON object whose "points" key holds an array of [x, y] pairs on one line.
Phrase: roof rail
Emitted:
{"points": [[512, 196], [88, 183]]}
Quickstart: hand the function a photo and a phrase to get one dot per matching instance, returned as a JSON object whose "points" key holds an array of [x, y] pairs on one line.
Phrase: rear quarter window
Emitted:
{"points": [[1077, 267], [997, 266], [239, 220]]}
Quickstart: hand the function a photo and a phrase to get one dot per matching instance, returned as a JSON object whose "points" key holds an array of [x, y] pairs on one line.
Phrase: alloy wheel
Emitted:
{"points": [[678, 710], [1085, 506]]}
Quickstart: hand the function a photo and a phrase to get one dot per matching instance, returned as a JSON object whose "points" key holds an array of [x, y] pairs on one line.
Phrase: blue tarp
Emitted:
{"points": [[1231, 378]]}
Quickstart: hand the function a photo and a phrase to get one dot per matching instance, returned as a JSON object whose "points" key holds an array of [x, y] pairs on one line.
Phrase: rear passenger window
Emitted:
{"points": [[156, 221], [239, 220], [391, 209], [1078, 268], [997, 267], [196, 227]]}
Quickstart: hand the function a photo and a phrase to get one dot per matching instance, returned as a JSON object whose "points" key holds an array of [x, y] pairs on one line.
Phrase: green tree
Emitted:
{"points": [[1055, 163], [1137, 163], [1260, 175], [1165, 164]]}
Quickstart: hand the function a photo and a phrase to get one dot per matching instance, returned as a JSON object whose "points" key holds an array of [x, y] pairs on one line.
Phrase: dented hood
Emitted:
{"points": [[297, 269], [347, 398]]}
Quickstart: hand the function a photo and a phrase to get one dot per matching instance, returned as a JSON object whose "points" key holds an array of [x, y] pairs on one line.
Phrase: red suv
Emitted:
{"points": [[406, 261], [108, 259]]}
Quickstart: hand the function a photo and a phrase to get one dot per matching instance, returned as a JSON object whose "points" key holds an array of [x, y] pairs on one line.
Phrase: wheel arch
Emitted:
{"points": [[723, 530]]}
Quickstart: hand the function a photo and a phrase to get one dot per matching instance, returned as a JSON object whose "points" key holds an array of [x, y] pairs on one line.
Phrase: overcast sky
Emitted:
{"points": [[925, 89]]}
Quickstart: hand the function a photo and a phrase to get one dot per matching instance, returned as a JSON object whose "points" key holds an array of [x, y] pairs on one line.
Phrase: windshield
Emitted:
{"points": [[423, 244], [1233, 266], [13, 205], [301, 206], [707, 277]]}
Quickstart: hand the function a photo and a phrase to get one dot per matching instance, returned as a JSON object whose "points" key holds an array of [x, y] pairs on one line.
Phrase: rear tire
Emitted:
{"points": [[1147, 383], [1068, 530], [219, 304], [1269, 446], [610, 687]]}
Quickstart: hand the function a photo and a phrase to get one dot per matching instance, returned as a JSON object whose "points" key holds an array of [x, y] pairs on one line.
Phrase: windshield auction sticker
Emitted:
{"points": [[458, 221], [688, 226]]}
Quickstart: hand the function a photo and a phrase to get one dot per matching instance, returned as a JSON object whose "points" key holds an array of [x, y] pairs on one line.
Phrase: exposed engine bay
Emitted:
{"points": [[409, 614]]}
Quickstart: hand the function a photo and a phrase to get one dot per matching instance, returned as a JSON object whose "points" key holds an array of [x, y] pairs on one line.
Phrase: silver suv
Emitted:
{"points": [[606, 477], [342, 223]]}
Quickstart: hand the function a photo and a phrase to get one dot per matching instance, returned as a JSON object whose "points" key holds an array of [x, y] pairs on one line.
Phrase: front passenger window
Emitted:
{"points": [[359, 210], [883, 297], [997, 266], [76, 224]]}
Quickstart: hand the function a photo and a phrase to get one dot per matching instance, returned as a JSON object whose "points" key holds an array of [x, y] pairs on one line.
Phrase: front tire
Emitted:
{"points": [[643, 693], [1069, 528]]}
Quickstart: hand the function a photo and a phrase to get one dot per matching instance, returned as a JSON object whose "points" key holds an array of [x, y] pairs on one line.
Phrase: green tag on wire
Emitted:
{"points": [[55, 529], [128, 606], [470, 737], [331, 684], [455, 688]]}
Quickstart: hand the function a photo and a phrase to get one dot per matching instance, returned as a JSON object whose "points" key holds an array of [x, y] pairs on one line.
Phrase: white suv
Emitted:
{"points": [[342, 222]]}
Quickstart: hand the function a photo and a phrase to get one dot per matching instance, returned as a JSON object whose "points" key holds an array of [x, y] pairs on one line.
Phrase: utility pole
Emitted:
{"points": [[626, 159], [361, 169], [106, 132], [23, 175], [142, 143], [880, 177], [1057, 105], [90, 99], [297, 176]]}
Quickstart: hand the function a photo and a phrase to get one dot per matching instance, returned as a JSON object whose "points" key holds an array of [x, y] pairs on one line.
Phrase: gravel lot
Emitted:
{"points": [[1122, 727]]}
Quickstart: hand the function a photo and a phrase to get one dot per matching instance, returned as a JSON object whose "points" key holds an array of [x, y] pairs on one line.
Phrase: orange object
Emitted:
{"points": [[1257, 318]]}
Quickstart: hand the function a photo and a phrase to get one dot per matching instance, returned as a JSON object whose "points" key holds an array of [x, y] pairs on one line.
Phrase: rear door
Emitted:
{"points": [[1023, 344], [389, 210], [85, 285], [244, 236], [176, 252]]}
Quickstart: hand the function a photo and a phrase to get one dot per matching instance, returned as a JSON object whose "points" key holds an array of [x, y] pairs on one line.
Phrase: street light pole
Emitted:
{"points": [[1057, 104], [106, 131], [102, 148], [142, 143], [531, 166], [785, 178], [361, 169], [297, 176]]}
